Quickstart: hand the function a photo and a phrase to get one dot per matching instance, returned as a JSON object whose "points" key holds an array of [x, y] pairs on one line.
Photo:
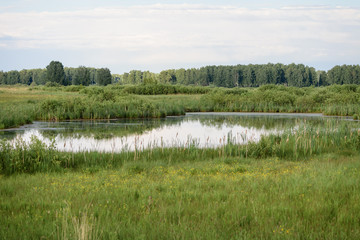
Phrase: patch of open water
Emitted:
{"points": [[204, 130]]}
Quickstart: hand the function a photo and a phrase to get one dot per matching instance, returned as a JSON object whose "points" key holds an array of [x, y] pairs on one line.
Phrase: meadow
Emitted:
{"points": [[228, 198], [300, 184]]}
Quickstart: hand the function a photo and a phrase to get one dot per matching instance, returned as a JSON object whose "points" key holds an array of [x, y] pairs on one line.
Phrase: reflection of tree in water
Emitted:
{"points": [[108, 129], [258, 121]]}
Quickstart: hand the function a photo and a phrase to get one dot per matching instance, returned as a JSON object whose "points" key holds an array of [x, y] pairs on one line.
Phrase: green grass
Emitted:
{"points": [[232, 198], [301, 184], [21, 105]]}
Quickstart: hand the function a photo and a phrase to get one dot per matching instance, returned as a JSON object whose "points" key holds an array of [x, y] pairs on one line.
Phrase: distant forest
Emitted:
{"points": [[297, 75]]}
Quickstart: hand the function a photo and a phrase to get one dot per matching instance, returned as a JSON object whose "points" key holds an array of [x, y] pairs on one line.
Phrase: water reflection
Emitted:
{"points": [[199, 129]]}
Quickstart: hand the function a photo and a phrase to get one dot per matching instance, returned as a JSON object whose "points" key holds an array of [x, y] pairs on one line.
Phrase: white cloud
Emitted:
{"points": [[189, 33]]}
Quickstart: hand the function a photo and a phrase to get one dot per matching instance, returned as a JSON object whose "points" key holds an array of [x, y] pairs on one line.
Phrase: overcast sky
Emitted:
{"points": [[158, 35]]}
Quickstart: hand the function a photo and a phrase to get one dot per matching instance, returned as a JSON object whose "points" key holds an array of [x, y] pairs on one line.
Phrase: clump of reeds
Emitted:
{"points": [[81, 227]]}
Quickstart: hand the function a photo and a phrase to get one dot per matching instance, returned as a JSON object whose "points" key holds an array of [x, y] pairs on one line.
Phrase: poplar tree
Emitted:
{"points": [[55, 73]]}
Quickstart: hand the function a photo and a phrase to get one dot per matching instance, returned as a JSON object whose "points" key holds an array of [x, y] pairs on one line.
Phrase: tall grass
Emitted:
{"points": [[332, 100], [230, 198], [117, 101], [104, 105], [81, 226]]}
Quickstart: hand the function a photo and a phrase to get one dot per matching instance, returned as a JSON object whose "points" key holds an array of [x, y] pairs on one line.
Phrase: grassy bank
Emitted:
{"points": [[21, 105]]}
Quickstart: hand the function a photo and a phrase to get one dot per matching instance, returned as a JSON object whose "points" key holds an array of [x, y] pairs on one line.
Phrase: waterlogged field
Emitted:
{"points": [[301, 182]]}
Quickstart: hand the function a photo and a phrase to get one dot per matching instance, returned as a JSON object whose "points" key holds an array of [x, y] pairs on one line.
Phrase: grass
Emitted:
{"points": [[301, 184], [231, 198], [21, 105]]}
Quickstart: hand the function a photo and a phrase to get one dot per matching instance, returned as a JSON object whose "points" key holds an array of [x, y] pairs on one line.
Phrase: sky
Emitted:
{"points": [[158, 35]]}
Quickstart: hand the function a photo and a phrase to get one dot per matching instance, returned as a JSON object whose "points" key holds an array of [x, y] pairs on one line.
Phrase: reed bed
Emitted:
{"points": [[21, 105]]}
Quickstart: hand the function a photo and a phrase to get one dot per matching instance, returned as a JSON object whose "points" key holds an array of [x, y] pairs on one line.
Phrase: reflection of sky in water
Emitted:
{"points": [[190, 132], [179, 133]]}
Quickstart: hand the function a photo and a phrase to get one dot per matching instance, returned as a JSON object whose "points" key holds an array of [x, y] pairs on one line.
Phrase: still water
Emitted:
{"points": [[198, 129]]}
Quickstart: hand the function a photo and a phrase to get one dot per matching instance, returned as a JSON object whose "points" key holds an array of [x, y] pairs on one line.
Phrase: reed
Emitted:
{"points": [[21, 105]]}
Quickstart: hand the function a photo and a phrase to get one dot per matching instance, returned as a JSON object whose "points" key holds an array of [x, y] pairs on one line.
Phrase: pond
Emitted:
{"points": [[204, 130]]}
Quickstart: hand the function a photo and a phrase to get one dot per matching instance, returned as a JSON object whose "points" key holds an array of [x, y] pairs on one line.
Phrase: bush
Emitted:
{"points": [[53, 84], [74, 88]]}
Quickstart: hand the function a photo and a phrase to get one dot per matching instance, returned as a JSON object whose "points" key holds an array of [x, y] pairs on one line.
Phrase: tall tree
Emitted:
{"points": [[3, 77], [70, 75], [202, 77], [25, 77], [82, 76], [321, 79], [356, 72], [165, 76], [13, 77], [279, 74], [125, 78], [249, 76], [180, 75], [103, 76], [334, 75], [39, 76], [55, 73], [149, 77], [138, 77], [132, 77], [219, 80], [230, 79]]}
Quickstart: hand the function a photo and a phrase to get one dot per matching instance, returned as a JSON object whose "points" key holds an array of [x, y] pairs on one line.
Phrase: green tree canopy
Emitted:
{"points": [[3, 77], [103, 76], [82, 76], [55, 72]]}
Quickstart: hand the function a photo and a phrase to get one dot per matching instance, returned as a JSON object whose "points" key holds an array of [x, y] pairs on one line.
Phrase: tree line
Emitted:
{"points": [[297, 75], [56, 73]]}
